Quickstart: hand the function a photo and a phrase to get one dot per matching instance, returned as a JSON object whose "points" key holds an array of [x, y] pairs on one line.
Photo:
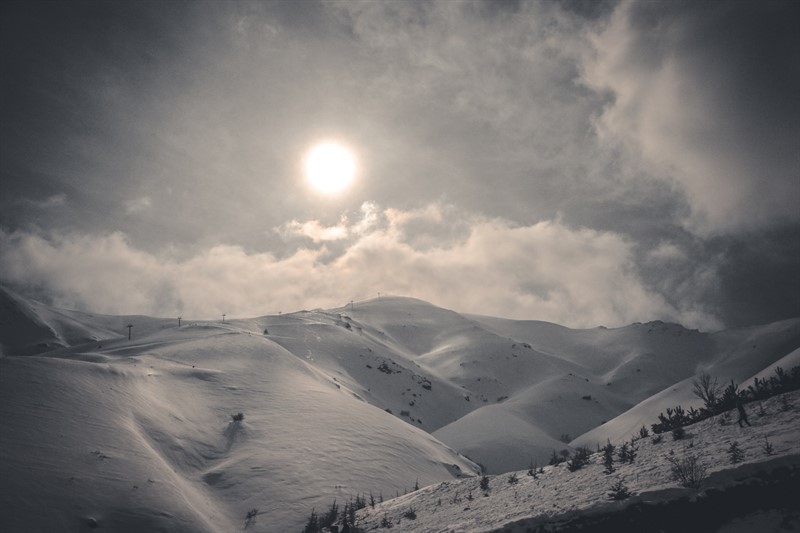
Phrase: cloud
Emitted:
{"points": [[138, 205], [55, 200], [313, 230], [369, 218], [573, 276], [485, 105], [705, 94]]}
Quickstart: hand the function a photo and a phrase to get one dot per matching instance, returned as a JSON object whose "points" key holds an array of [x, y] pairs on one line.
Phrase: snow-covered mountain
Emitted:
{"points": [[377, 396]]}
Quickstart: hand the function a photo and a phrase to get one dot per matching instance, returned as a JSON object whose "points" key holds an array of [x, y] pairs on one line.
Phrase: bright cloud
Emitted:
{"points": [[313, 230], [572, 276]]}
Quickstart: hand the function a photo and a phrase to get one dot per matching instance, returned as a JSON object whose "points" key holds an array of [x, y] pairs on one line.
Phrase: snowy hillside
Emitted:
{"points": [[376, 396], [757, 493]]}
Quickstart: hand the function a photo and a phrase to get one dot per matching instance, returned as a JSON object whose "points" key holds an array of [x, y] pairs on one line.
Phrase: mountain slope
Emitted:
{"points": [[374, 396], [756, 494], [138, 435]]}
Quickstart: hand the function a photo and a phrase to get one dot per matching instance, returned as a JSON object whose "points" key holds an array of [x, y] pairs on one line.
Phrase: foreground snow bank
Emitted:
{"points": [[560, 500]]}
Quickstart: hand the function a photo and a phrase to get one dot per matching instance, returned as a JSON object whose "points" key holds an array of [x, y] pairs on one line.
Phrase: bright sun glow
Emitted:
{"points": [[330, 167]]}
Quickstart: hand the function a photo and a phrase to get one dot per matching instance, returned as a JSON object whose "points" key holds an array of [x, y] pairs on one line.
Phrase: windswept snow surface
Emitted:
{"points": [[377, 396], [138, 436]]}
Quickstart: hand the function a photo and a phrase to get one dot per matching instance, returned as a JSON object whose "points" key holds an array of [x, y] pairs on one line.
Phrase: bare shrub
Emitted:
{"points": [[687, 471], [707, 389]]}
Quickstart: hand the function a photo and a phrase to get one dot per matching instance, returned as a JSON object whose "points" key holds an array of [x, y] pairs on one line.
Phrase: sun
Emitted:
{"points": [[330, 167]]}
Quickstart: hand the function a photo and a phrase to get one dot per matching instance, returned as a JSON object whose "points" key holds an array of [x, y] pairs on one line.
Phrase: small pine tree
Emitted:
{"points": [[330, 518], [735, 453], [632, 448], [485, 483], [554, 459], [312, 526], [532, 469], [623, 452], [785, 403], [643, 433], [360, 502], [513, 479], [627, 452], [768, 449], [608, 457], [350, 514], [579, 459], [678, 433], [619, 491], [371, 500]]}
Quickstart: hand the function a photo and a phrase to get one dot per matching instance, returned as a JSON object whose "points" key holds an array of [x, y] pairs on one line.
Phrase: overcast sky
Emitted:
{"points": [[586, 163]]}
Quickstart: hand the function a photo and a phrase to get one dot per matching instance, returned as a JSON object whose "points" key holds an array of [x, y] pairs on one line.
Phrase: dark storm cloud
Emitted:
{"points": [[706, 94], [759, 281], [72, 106]]}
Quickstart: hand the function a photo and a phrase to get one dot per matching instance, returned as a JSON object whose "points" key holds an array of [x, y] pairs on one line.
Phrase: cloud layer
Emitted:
{"points": [[581, 162], [572, 276]]}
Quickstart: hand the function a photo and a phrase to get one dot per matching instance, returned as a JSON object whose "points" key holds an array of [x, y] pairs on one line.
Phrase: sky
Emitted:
{"points": [[581, 162]]}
